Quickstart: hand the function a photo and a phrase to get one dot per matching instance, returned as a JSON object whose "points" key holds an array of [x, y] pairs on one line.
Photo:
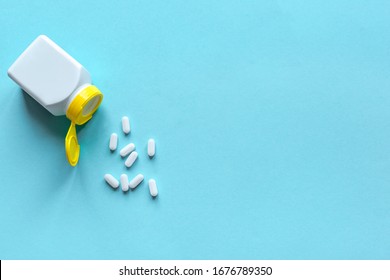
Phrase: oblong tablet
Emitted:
{"points": [[127, 150], [124, 182], [153, 188], [131, 159], [113, 141], [136, 181], [151, 147], [114, 183], [125, 125]]}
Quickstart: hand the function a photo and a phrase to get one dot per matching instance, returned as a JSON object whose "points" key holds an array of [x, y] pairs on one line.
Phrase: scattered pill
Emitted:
{"points": [[113, 141], [153, 188], [124, 182], [114, 183], [130, 160], [126, 125], [127, 150], [136, 181], [151, 147]]}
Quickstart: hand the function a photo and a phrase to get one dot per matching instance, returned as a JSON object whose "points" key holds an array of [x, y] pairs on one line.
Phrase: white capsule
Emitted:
{"points": [[113, 141], [124, 182], [153, 188], [151, 147], [127, 150], [130, 160], [125, 125], [136, 181], [114, 183]]}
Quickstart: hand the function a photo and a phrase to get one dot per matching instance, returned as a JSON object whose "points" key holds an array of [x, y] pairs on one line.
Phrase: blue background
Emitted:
{"points": [[271, 118]]}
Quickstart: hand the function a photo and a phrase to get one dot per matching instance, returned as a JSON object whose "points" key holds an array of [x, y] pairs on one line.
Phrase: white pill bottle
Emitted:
{"points": [[60, 84]]}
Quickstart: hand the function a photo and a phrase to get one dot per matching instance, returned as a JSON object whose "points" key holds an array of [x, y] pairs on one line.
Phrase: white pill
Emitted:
{"points": [[153, 188], [130, 160], [151, 147], [136, 181], [114, 183], [124, 182], [113, 141], [126, 125], [127, 150]]}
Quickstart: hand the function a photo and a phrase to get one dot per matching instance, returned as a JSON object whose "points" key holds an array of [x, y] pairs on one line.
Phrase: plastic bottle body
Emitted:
{"points": [[49, 75]]}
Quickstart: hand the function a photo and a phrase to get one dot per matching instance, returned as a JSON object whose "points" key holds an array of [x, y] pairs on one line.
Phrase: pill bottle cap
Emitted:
{"points": [[72, 146], [80, 110]]}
